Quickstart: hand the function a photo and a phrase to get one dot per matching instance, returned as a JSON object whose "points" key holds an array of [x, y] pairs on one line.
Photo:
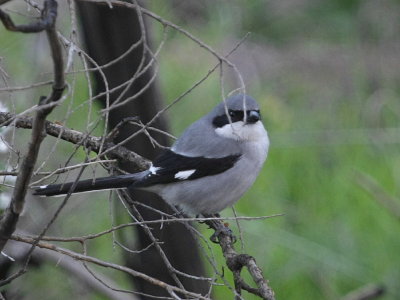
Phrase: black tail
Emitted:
{"points": [[102, 183]]}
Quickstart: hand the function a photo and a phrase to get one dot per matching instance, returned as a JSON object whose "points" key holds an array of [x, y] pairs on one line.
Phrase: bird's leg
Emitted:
{"points": [[179, 214], [207, 216], [221, 229]]}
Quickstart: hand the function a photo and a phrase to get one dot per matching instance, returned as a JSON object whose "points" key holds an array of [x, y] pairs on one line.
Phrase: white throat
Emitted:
{"points": [[241, 131]]}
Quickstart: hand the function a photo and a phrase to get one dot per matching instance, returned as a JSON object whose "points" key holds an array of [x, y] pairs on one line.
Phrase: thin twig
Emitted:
{"points": [[181, 30], [84, 238], [178, 99], [73, 268], [46, 22], [236, 262], [105, 264], [75, 137], [27, 87]]}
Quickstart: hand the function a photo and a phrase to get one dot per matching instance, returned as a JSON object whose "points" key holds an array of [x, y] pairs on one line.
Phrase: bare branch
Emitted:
{"points": [[23, 88], [105, 264], [71, 266], [179, 98], [78, 138], [236, 262], [179, 29], [84, 238], [47, 22]]}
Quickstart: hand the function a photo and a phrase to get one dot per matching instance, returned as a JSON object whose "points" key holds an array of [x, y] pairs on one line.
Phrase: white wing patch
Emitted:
{"points": [[42, 187], [153, 170], [182, 175]]}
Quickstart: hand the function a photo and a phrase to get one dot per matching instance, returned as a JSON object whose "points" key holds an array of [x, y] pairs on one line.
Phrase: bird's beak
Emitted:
{"points": [[253, 116]]}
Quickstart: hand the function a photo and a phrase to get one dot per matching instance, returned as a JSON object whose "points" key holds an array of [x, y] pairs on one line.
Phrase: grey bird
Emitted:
{"points": [[207, 169]]}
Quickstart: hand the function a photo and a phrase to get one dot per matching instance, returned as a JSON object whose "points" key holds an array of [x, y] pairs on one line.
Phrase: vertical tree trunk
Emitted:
{"points": [[108, 33]]}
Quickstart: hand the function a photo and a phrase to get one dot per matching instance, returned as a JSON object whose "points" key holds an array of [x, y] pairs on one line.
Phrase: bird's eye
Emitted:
{"points": [[231, 113]]}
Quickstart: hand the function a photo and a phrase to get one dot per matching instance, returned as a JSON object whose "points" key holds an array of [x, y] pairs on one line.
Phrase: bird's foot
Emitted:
{"points": [[223, 230]]}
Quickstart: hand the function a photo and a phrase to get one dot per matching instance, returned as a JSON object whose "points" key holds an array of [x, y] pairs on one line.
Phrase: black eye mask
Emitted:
{"points": [[236, 115]]}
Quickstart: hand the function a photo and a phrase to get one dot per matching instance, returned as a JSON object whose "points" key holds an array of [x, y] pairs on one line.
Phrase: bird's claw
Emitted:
{"points": [[224, 230]]}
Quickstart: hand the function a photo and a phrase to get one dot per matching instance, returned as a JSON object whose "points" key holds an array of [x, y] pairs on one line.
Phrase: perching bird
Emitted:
{"points": [[207, 169]]}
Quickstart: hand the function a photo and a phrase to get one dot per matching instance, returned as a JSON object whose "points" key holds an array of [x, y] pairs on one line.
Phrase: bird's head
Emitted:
{"points": [[238, 118]]}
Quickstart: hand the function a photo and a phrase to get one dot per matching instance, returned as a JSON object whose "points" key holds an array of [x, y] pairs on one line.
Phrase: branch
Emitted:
{"points": [[84, 238], [72, 267], [46, 21], [236, 262], [120, 153], [166, 23], [10, 217], [96, 261]]}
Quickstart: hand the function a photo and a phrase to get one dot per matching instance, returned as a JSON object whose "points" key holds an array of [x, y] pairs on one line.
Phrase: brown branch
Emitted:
{"points": [[46, 21], [10, 217], [100, 284], [236, 262], [120, 153], [96, 261]]}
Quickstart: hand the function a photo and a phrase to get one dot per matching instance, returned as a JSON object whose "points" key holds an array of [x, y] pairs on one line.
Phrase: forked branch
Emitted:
{"points": [[75, 137], [236, 262]]}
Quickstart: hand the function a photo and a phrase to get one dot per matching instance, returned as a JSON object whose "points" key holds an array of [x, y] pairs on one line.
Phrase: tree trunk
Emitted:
{"points": [[108, 33]]}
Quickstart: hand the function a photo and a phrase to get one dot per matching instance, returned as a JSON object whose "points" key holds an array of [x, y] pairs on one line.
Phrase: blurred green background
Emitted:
{"points": [[327, 75]]}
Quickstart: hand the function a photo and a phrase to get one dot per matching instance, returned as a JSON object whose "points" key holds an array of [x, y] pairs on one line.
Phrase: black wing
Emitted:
{"points": [[169, 165]]}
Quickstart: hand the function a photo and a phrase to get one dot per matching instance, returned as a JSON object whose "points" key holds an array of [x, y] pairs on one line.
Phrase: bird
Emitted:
{"points": [[208, 168]]}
